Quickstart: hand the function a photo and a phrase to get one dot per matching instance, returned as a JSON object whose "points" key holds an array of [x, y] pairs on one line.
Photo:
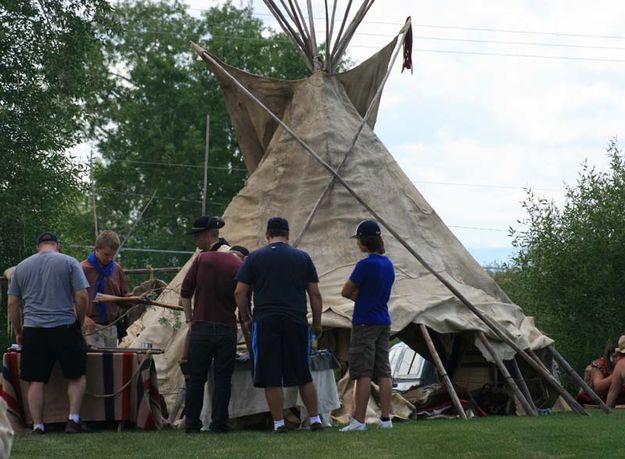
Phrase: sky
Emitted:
{"points": [[504, 95]]}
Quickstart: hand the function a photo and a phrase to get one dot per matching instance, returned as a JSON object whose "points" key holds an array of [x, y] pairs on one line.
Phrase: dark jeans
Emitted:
{"points": [[215, 344]]}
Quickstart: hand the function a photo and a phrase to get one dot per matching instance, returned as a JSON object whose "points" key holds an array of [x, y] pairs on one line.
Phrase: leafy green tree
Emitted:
{"points": [[46, 47], [570, 268], [151, 119]]}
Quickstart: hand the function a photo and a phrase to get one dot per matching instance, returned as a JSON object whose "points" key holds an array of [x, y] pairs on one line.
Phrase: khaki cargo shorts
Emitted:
{"points": [[368, 352]]}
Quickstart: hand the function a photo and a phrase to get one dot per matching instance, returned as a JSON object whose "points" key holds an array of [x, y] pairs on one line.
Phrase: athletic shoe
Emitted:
{"points": [[354, 426], [76, 427], [316, 427], [281, 430], [37, 431], [385, 424]]}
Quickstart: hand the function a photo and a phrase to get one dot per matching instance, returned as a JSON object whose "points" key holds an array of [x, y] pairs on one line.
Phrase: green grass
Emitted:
{"points": [[556, 435]]}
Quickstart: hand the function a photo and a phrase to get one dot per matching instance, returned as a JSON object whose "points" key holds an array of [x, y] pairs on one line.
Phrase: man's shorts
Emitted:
{"points": [[281, 350], [42, 347], [368, 352]]}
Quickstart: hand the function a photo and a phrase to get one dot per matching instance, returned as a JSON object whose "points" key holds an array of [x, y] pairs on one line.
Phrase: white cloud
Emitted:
{"points": [[495, 120]]}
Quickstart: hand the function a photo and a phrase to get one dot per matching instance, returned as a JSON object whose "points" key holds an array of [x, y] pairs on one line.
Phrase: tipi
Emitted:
{"points": [[313, 158]]}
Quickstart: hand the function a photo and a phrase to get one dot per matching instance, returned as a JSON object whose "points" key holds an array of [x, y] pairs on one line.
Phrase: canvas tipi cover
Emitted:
{"points": [[326, 111]]}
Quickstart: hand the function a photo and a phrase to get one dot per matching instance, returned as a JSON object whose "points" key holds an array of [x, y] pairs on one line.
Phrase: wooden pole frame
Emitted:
{"points": [[521, 382], [442, 373], [575, 407], [507, 377], [492, 325], [364, 121], [567, 367]]}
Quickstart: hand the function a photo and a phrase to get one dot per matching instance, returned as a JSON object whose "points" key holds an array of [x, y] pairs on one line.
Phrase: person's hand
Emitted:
{"points": [[18, 338], [248, 325], [316, 328], [88, 324]]}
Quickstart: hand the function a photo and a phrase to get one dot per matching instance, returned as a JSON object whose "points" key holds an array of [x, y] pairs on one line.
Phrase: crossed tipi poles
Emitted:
{"points": [[301, 31]]}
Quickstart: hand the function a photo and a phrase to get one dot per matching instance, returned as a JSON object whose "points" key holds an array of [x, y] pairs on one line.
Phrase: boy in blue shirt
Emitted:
{"points": [[369, 286]]}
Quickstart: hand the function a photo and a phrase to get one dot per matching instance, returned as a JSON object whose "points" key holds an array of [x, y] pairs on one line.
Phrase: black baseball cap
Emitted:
{"points": [[47, 237], [239, 248], [205, 223], [277, 224], [367, 228]]}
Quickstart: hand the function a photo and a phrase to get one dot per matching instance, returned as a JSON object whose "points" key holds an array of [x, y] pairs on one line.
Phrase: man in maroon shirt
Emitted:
{"points": [[213, 326], [104, 276]]}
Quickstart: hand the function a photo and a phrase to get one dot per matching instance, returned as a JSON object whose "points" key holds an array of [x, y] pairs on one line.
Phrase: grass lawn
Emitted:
{"points": [[556, 435]]}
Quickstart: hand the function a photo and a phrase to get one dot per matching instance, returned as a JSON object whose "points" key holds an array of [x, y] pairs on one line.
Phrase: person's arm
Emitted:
{"points": [[188, 311], [188, 289], [242, 297], [599, 382], [316, 305], [616, 384], [81, 301], [15, 316], [350, 291]]}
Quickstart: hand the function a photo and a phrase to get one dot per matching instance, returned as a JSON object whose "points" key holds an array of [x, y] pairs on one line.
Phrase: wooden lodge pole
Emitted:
{"points": [[567, 367], [506, 374], [521, 382], [491, 324], [442, 373], [574, 407]]}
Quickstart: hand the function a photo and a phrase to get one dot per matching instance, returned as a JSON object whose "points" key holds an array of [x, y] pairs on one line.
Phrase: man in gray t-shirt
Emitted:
{"points": [[53, 290]]}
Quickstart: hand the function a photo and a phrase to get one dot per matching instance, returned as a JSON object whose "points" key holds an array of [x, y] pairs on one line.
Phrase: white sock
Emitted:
{"points": [[74, 417], [277, 424], [39, 426], [357, 422], [315, 419]]}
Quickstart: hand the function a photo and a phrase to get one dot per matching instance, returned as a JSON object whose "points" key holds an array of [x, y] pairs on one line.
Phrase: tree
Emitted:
{"points": [[570, 269], [151, 119], [46, 47]]}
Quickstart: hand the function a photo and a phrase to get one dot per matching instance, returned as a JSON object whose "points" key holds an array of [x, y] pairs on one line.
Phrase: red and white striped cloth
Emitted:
{"points": [[120, 387]]}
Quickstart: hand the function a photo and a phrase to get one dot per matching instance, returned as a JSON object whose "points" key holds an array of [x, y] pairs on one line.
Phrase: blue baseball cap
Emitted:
{"points": [[277, 224], [367, 228]]}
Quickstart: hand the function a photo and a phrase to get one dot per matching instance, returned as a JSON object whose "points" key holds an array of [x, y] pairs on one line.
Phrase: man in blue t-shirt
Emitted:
{"points": [[369, 286], [279, 277]]}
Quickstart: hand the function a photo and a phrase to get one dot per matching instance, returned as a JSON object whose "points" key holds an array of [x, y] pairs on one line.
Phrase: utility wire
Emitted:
{"points": [[168, 198], [157, 163], [478, 185], [454, 27], [477, 228], [532, 56], [442, 51]]}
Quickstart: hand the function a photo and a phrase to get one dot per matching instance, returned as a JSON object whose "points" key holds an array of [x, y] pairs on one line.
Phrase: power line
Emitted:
{"points": [[168, 198], [478, 228], [443, 51], [455, 27], [522, 32], [478, 185], [532, 56], [156, 163], [519, 43]]}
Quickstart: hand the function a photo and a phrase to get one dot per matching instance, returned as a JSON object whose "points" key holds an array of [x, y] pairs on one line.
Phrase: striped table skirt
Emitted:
{"points": [[120, 387]]}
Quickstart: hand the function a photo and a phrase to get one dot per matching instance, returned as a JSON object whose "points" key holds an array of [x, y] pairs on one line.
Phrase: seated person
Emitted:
{"points": [[599, 374], [616, 393]]}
